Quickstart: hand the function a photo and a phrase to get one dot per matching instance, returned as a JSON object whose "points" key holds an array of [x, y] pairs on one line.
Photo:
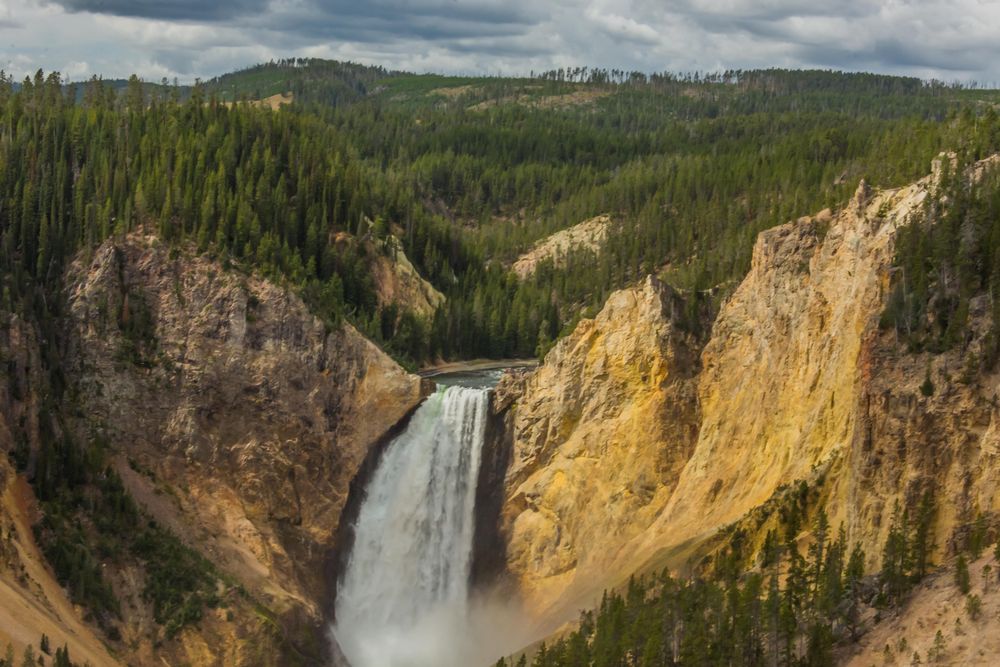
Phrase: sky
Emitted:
{"points": [[950, 40]]}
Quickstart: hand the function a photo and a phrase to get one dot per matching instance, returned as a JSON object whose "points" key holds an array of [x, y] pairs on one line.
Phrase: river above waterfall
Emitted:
{"points": [[472, 379], [481, 374]]}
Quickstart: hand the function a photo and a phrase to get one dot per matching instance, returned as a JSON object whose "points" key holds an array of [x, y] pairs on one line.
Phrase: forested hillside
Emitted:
{"points": [[466, 172]]}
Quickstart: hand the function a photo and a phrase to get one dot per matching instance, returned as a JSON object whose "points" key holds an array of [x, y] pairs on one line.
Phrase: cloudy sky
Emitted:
{"points": [[944, 39]]}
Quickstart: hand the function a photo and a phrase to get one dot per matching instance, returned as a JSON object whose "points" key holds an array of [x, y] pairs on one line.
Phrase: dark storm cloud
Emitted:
{"points": [[907, 54], [767, 22], [322, 24], [957, 39], [499, 48], [890, 51], [719, 14], [180, 61], [169, 10], [355, 20]]}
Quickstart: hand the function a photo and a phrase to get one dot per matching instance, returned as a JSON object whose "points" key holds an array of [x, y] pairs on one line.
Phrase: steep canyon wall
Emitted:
{"points": [[236, 418], [634, 444]]}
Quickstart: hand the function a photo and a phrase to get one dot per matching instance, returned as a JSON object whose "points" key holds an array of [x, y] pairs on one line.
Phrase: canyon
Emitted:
{"points": [[251, 428], [637, 444]]}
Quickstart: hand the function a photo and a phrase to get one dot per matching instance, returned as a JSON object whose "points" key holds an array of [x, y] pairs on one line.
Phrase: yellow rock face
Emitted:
{"points": [[629, 452], [601, 433], [781, 375]]}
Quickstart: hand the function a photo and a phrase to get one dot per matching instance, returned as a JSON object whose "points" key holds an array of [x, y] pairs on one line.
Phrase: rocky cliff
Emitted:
{"points": [[396, 281], [31, 600], [237, 419], [601, 432], [631, 449]]}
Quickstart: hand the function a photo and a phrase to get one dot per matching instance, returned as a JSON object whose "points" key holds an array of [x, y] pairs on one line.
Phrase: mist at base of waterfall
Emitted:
{"points": [[475, 634]]}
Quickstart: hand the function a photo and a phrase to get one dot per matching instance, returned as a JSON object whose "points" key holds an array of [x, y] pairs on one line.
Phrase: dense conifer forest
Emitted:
{"points": [[947, 262], [467, 173]]}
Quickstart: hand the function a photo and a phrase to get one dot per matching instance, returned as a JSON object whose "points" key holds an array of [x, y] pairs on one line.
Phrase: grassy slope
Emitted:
{"points": [[938, 605]]}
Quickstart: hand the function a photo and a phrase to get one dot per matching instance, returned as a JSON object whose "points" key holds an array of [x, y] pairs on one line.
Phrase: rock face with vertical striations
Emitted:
{"points": [[633, 445], [601, 432], [251, 413]]}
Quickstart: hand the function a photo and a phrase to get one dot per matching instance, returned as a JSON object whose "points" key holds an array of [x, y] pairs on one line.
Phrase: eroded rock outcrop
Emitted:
{"points": [[906, 443], [601, 432], [240, 418], [589, 235], [396, 281]]}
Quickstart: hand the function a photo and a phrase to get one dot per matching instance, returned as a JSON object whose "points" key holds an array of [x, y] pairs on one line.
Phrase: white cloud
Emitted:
{"points": [[77, 70], [954, 39]]}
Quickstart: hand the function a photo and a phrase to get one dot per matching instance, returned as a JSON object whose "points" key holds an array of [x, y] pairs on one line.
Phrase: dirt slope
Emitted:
{"points": [[31, 601]]}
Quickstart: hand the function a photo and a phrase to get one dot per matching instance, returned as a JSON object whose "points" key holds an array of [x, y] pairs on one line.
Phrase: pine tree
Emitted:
{"points": [[962, 574], [772, 609], [896, 558], [541, 657], [852, 591], [819, 651], [923, 540], [62, 658], [817, 554], [652, 651], [977, 536], [796, 589], [973, 607]]}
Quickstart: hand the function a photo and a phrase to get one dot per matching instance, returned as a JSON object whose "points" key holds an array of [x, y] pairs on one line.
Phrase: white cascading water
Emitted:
{"points": [[404, 595]]}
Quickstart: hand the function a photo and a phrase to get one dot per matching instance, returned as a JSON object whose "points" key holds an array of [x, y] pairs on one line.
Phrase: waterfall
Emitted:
{"points": [[404, 595]]}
